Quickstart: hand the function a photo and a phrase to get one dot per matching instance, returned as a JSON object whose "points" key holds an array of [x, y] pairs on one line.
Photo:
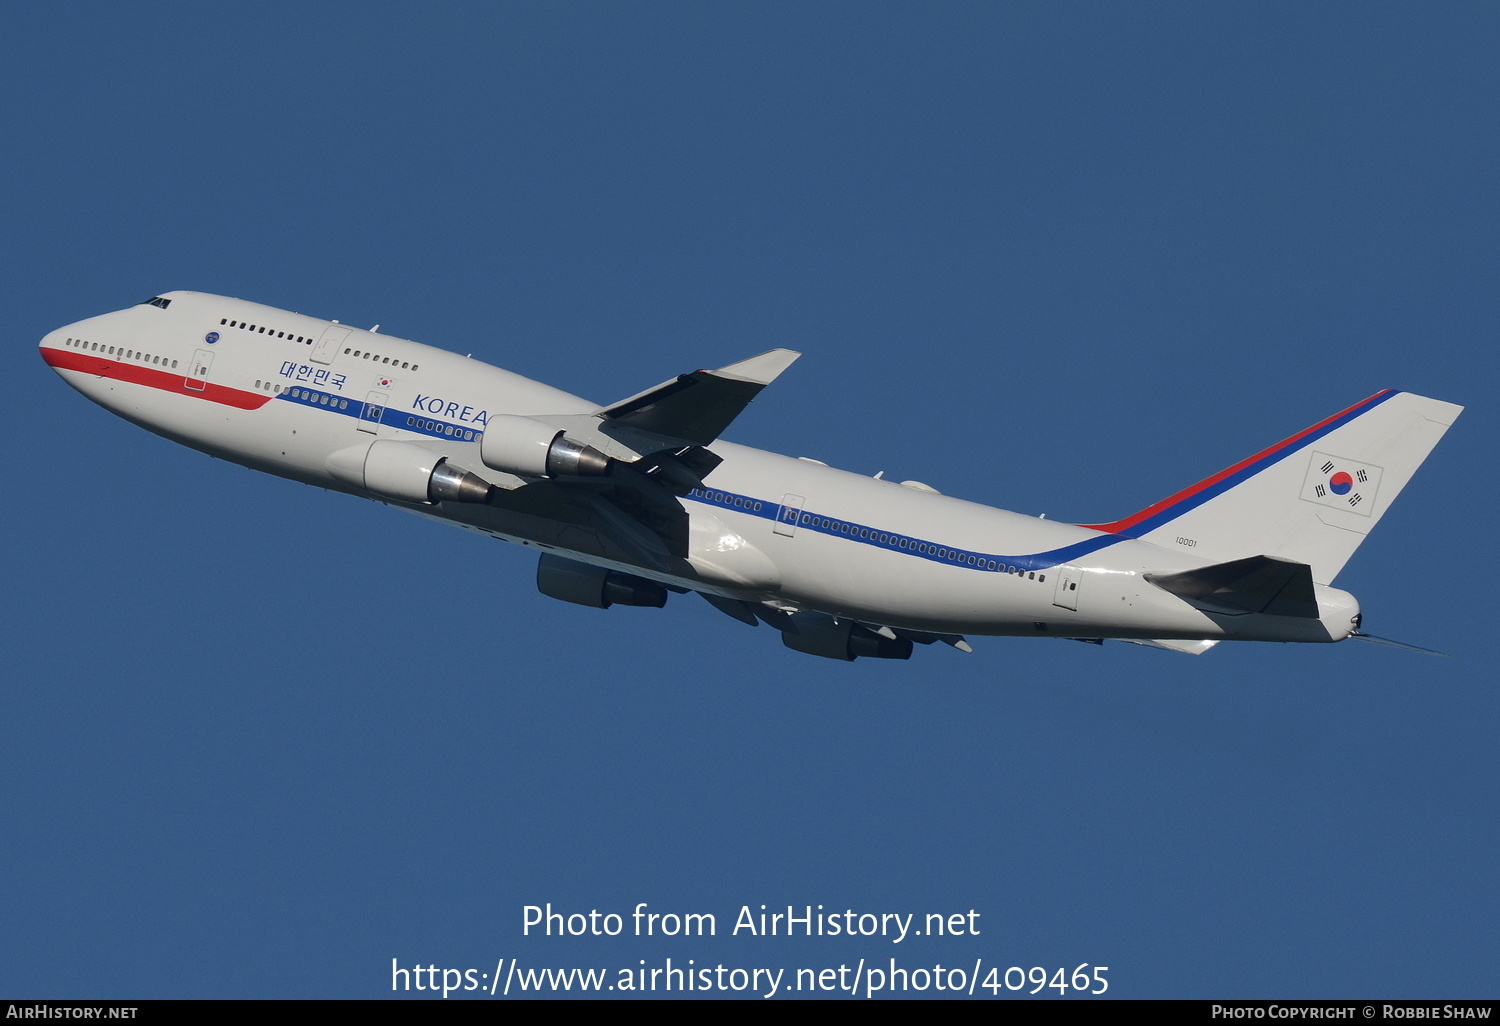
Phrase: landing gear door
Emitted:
{"points": [[369, 417], [1067, 587], [786, 517], [328, 346], [197, 378]]}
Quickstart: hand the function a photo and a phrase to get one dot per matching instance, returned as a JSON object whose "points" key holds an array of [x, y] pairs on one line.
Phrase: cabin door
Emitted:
{"points": [[197, 378], [1067, 587], [369, 417], [786, 517], [328, 346]]}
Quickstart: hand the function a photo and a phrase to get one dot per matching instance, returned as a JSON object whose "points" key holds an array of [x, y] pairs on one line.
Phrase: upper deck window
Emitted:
{"points": [[158, 301]]}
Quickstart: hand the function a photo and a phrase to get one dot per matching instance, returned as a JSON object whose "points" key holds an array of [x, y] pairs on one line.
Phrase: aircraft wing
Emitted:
{"points": [[698, 406], [656, 443]]}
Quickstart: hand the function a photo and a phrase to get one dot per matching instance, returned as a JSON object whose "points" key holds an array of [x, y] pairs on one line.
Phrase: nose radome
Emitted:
{"points": [[51, 345]]}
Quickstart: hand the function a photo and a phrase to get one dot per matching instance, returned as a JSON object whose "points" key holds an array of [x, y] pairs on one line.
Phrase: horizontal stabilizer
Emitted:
{"points": [[697, 407], [1362, 636], [1259, 584]]}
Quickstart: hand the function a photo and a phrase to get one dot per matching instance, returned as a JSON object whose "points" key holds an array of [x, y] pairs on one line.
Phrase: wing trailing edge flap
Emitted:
{"points": [[753, 613], [1171, 645], [927, 638], [1257, 584]]}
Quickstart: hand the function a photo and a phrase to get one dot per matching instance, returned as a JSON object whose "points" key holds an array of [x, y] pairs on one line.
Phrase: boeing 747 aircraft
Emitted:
{"points": [[628, 502]]}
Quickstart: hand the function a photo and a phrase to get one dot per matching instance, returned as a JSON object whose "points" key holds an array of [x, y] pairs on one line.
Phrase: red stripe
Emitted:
{"points": [[1209, 482], [152, 377]]}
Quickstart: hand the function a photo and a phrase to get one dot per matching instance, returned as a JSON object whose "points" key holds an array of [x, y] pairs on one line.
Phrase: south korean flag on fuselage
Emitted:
{"points": [[1340, 483]]}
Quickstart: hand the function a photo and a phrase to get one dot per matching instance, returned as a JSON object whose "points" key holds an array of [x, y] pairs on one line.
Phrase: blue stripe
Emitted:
{"points": [[817, 523], [382, 415], [864, 534], [902, 544]]}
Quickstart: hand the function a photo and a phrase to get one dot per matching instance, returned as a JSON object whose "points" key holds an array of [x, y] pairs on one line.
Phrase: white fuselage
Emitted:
{"points": [[285, 393]]}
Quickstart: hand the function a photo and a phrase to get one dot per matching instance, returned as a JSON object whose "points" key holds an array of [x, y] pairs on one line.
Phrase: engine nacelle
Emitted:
{"points": [[529, 448], [821, 635], [586, 585], [406, 471]]}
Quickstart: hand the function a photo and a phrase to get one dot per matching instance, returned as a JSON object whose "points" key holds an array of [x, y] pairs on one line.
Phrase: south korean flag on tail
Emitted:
{"points": [[1340, 483]]}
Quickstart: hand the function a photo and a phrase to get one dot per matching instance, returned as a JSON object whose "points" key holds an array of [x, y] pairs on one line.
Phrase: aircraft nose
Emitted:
{"points": [[51, 346], [64, 349]]}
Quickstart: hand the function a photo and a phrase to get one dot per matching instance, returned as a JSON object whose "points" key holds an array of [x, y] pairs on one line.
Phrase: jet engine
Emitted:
{"points": [[529, 448], [821, 635], [407, 471], [586, 585]]}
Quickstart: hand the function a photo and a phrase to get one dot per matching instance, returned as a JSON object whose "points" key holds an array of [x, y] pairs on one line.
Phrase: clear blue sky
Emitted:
{"points": [[1061, 258]]}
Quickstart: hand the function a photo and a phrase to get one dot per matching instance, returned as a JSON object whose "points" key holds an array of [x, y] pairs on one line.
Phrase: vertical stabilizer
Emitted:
{"points": [[1311, 498]]}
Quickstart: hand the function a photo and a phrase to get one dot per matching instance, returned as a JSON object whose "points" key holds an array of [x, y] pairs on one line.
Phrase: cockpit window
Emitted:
{"points": [[158, 301]]}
